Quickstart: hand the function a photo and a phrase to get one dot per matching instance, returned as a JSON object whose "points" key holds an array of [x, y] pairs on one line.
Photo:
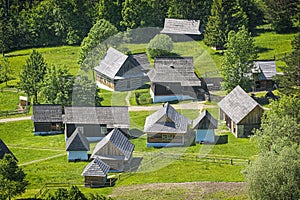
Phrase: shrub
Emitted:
{"points": [[161, 44]]}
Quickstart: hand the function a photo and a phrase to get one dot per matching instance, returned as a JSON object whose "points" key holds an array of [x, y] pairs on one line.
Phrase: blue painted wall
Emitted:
{"points": [[205, 135], [77, 155], [157, 99]]}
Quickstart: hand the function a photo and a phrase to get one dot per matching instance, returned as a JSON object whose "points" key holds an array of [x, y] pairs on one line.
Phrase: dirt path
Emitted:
{"points": [[43, 159], [127, 99], [190, 105], [15, 119]]}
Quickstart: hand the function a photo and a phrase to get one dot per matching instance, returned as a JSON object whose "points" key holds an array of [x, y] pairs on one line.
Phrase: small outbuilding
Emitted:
{"points": [[5, 150], [120, 72], [173, 78], [96, 122], [47, 119], [166, 127], [95, 174], [205, 125], [77, 146], [115, 150], [240, 112], [182, 27], [264, 73]]}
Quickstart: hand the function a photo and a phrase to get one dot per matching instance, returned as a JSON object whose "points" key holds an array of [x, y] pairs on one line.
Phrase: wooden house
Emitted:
{"points": [[23, 101], [95, 122], [120, 72], [176, 28], [264, 72], [115, 150], [240, 112], [166, 127], [77, 146], [5, 150], [95, 174], [205, 125], [173, 78], [47, 119]]}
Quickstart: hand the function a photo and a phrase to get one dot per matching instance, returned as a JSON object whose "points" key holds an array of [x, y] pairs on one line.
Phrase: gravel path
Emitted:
{"points": [[15, 119]]}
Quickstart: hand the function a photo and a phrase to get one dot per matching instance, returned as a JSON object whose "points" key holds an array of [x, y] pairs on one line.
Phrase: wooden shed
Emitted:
{"points": [[95, 174], [95, 122], [115, 150], [5, 150], [47, 119], [166, 127], [120, 72], [240, 112], [264, 73], [182, 27], [173, 78], [77, 146], [205, 125]]}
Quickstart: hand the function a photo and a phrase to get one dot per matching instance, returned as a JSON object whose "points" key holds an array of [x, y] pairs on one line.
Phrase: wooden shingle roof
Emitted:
{"points": [[96, 168], [77, 142], [267, 69], [114, 116], [142, 60], [47, 113], [174, 70], [4, 150], [166, 120], [237, 104], [205, 114], [118, 141], [181, 26]]}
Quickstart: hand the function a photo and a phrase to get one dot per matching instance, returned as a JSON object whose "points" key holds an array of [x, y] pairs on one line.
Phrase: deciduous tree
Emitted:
{"points": [[161, 44], [5, 70]]}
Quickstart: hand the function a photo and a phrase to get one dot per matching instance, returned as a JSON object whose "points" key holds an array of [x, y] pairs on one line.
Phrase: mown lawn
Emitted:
{"points": [[9, 99]]}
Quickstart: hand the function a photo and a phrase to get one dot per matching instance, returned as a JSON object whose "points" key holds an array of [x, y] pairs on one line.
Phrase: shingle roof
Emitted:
{"points": [[237, 104], [114, 116], [111, 63], [267, 68], [203, 115], [181, 26], [4, 150], [142, 60], [174, 69], [118, 140], [166, 120], [96, 168], [47, 113], [77, 142]]}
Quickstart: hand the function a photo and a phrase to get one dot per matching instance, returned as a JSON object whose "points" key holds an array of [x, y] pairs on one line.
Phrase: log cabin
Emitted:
{"points": [[120, 72], [95, 122], [95, 174], [264, 73], [205, 125], [47, 119], [166, 127], [240, 112], [182, 29], [115, 150], [77, 146], [173, 78]]}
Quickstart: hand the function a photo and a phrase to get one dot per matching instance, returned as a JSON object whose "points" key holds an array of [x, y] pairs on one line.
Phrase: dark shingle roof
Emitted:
{"points": [[115, 116], [47, 113], [4, 150], [111, 63], [237, 104], [142, 60], [205, 114], [174, 70], [166, 120], [118, 140], [181, 26], [267, 69], [77, 142], [96, 168]]}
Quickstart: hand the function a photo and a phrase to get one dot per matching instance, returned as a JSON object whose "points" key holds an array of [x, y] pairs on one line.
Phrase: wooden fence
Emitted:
{"points": [[7, 113]]}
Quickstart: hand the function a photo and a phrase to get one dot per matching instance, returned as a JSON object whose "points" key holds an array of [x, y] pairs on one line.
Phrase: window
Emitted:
{"points": [[166, 137], [80, 129], [103, 129]]}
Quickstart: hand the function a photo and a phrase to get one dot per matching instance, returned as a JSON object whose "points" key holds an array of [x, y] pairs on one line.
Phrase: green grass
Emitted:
{"points": [[113, 98], [9, 99]]}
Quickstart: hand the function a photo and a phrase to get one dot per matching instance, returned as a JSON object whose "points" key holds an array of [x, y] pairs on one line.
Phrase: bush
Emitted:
{"points": [[160, 45]]}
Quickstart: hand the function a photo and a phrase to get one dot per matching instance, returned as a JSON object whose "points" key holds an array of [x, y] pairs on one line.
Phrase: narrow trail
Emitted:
{"points": [[15, 119], [127, 99], [43, 159]]}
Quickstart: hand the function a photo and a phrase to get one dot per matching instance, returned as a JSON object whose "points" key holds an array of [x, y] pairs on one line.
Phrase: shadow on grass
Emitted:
{"points": [[263, 49]]}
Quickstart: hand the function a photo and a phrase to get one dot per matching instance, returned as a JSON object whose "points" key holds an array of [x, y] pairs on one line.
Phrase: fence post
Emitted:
{"points": [[231, 162]]}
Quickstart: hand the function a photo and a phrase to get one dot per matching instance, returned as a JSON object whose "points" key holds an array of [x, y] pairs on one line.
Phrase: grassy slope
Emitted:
{"points": [[9, 99]]}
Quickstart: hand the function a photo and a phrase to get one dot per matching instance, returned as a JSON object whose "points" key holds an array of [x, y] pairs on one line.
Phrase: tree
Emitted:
{"points": [[275, 175], [281, 13], [225, 16], [111, 10], [161, 44], [101, 31], [57, 87], [32, 76], [62, 194], [5, 70], [289, 82], [238, 60], [12, 178]]}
